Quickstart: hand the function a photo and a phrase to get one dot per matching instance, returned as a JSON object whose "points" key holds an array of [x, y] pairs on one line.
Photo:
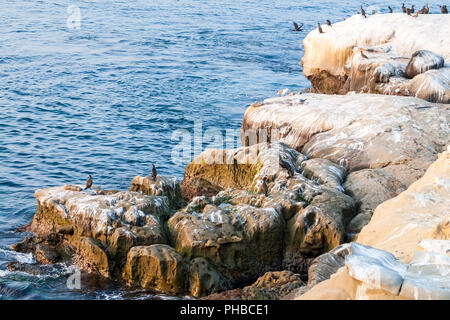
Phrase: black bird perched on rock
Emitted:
{"points": [[363, 13], [408, 11], [263, 188], [404, 8], [412, 9], [328, 22], [154, 173], [390, 9], [427, 9], [444, 9], [287, 166], [88, 182], [319, 27], [297, 27]]}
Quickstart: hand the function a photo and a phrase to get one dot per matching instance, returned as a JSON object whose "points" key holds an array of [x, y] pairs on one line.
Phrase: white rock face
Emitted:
{"points": [[356, 130], [400, 33], [371, 55]]}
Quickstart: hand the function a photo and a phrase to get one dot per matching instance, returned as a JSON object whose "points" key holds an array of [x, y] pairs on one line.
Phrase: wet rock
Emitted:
{"points": [[45, 254], [421, 61], [97, 226], [270, 286], [31, 268], [158, 267], [203, 278]]}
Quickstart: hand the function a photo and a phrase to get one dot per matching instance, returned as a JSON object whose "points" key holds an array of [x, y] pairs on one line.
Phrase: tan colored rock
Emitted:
{"points": [[158, 267], [385, 142], [99, 226], [241, 241], [162, 186], [203, 278], [420, 212], [270, 286], [375, 58], [245, 233], [417, 219]]}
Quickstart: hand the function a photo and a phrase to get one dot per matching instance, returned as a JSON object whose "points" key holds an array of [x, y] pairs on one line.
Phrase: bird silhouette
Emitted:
{"points": [[154, 173], [390, 9], [404, 8], [412, 9], [444, 9], [263, 188], [328, 22], [363, 13], [88, 182], [319, 27], [427, 9], [297, 27]]}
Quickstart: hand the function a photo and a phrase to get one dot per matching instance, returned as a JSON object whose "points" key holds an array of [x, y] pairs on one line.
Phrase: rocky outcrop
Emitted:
{"points": [[245, 233], [409, 246], [384, 142], [161, 186], [270, 286], [375, 274], [95, 227], [420, 212], [381, 57], [158, 267]]}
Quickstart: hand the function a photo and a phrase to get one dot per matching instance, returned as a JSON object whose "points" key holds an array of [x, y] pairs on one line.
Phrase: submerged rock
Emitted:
{"points": [[376, 59]]}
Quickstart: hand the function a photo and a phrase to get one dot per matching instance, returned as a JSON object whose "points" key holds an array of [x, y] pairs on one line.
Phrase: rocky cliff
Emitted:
{"points": [[406, 246], [393, 54]]}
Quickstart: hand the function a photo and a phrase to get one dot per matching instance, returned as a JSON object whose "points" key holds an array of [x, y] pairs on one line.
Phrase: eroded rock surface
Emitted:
{"points": [[384, 142], [409, 243], [381, 56], [270, 286]]}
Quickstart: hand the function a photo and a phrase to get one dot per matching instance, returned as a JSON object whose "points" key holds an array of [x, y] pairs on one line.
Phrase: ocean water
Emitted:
{"points": [[104, 96]]}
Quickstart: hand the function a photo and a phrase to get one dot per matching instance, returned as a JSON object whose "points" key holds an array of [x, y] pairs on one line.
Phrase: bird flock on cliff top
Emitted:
{"points": [[409, 11]]}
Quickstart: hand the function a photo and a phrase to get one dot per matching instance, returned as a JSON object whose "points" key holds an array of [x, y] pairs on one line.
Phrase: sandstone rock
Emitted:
{"points": [[420, 212], [415, 219], [241, 241], [421, 61], [375, 274], [203, 278], [334, 64], [98, 226], [270, 286], [158, 267], [385, 142], [327, 264], [163, 186], [244, 233]]}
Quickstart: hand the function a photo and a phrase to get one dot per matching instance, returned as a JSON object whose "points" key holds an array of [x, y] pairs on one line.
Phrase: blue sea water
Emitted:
{"points": [[104, 97]]}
